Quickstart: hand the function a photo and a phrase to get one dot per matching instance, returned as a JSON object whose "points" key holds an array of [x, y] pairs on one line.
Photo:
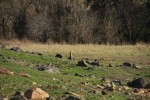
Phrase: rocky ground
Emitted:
{"points": [[31, 75]]}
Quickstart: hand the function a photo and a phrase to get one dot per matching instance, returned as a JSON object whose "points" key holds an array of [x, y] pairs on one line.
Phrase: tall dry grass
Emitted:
{"points": [[139, 52]]}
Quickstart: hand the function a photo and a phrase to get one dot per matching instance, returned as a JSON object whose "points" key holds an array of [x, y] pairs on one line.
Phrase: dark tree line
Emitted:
{"points": [[76, 21]]}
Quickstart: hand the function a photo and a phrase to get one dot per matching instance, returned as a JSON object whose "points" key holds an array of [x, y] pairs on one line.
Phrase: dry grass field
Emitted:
{"points": [[139, 53]]}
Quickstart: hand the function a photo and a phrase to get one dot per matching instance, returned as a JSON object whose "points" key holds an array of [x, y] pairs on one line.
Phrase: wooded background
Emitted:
{"points": [[76, 21]]}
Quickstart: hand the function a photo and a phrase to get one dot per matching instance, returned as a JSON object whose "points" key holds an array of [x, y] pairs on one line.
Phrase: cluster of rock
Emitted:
{"points": [[17, 49], [48, 68], [131, 65], [70, 56]]}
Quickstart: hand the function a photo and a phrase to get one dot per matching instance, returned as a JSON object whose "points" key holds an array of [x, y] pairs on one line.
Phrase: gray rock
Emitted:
{"points": [[137, 83], [42, 67], [82, 63], [17, 49], [50, 68], [59, 56], [128, 64], [95, 63]]}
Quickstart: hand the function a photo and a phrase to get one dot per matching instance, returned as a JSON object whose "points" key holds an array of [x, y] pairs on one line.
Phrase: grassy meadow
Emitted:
{"points": [[58, 84], [136, 53]]}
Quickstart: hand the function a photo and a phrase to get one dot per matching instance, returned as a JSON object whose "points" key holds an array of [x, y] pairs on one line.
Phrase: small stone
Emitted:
{"points": [[99, 86], [17, 49], [82, 63], [127, 93], [127, 64], [110, 65], [59, 56], [104, 92], [49, 68], [96, 92], [125, 88], [113, 86], [105, 79], [17, 96], [54, 79], [95, 63], [18, 93], [139, 91], [34, 83]]}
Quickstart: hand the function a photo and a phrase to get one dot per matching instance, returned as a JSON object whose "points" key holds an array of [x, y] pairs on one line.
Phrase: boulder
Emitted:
{"points": [[82, 63], [137, 83], [125, 88], [17, 49], [139, 91], [42, 67], [59, 56], [110, 87], [36, 94]]}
